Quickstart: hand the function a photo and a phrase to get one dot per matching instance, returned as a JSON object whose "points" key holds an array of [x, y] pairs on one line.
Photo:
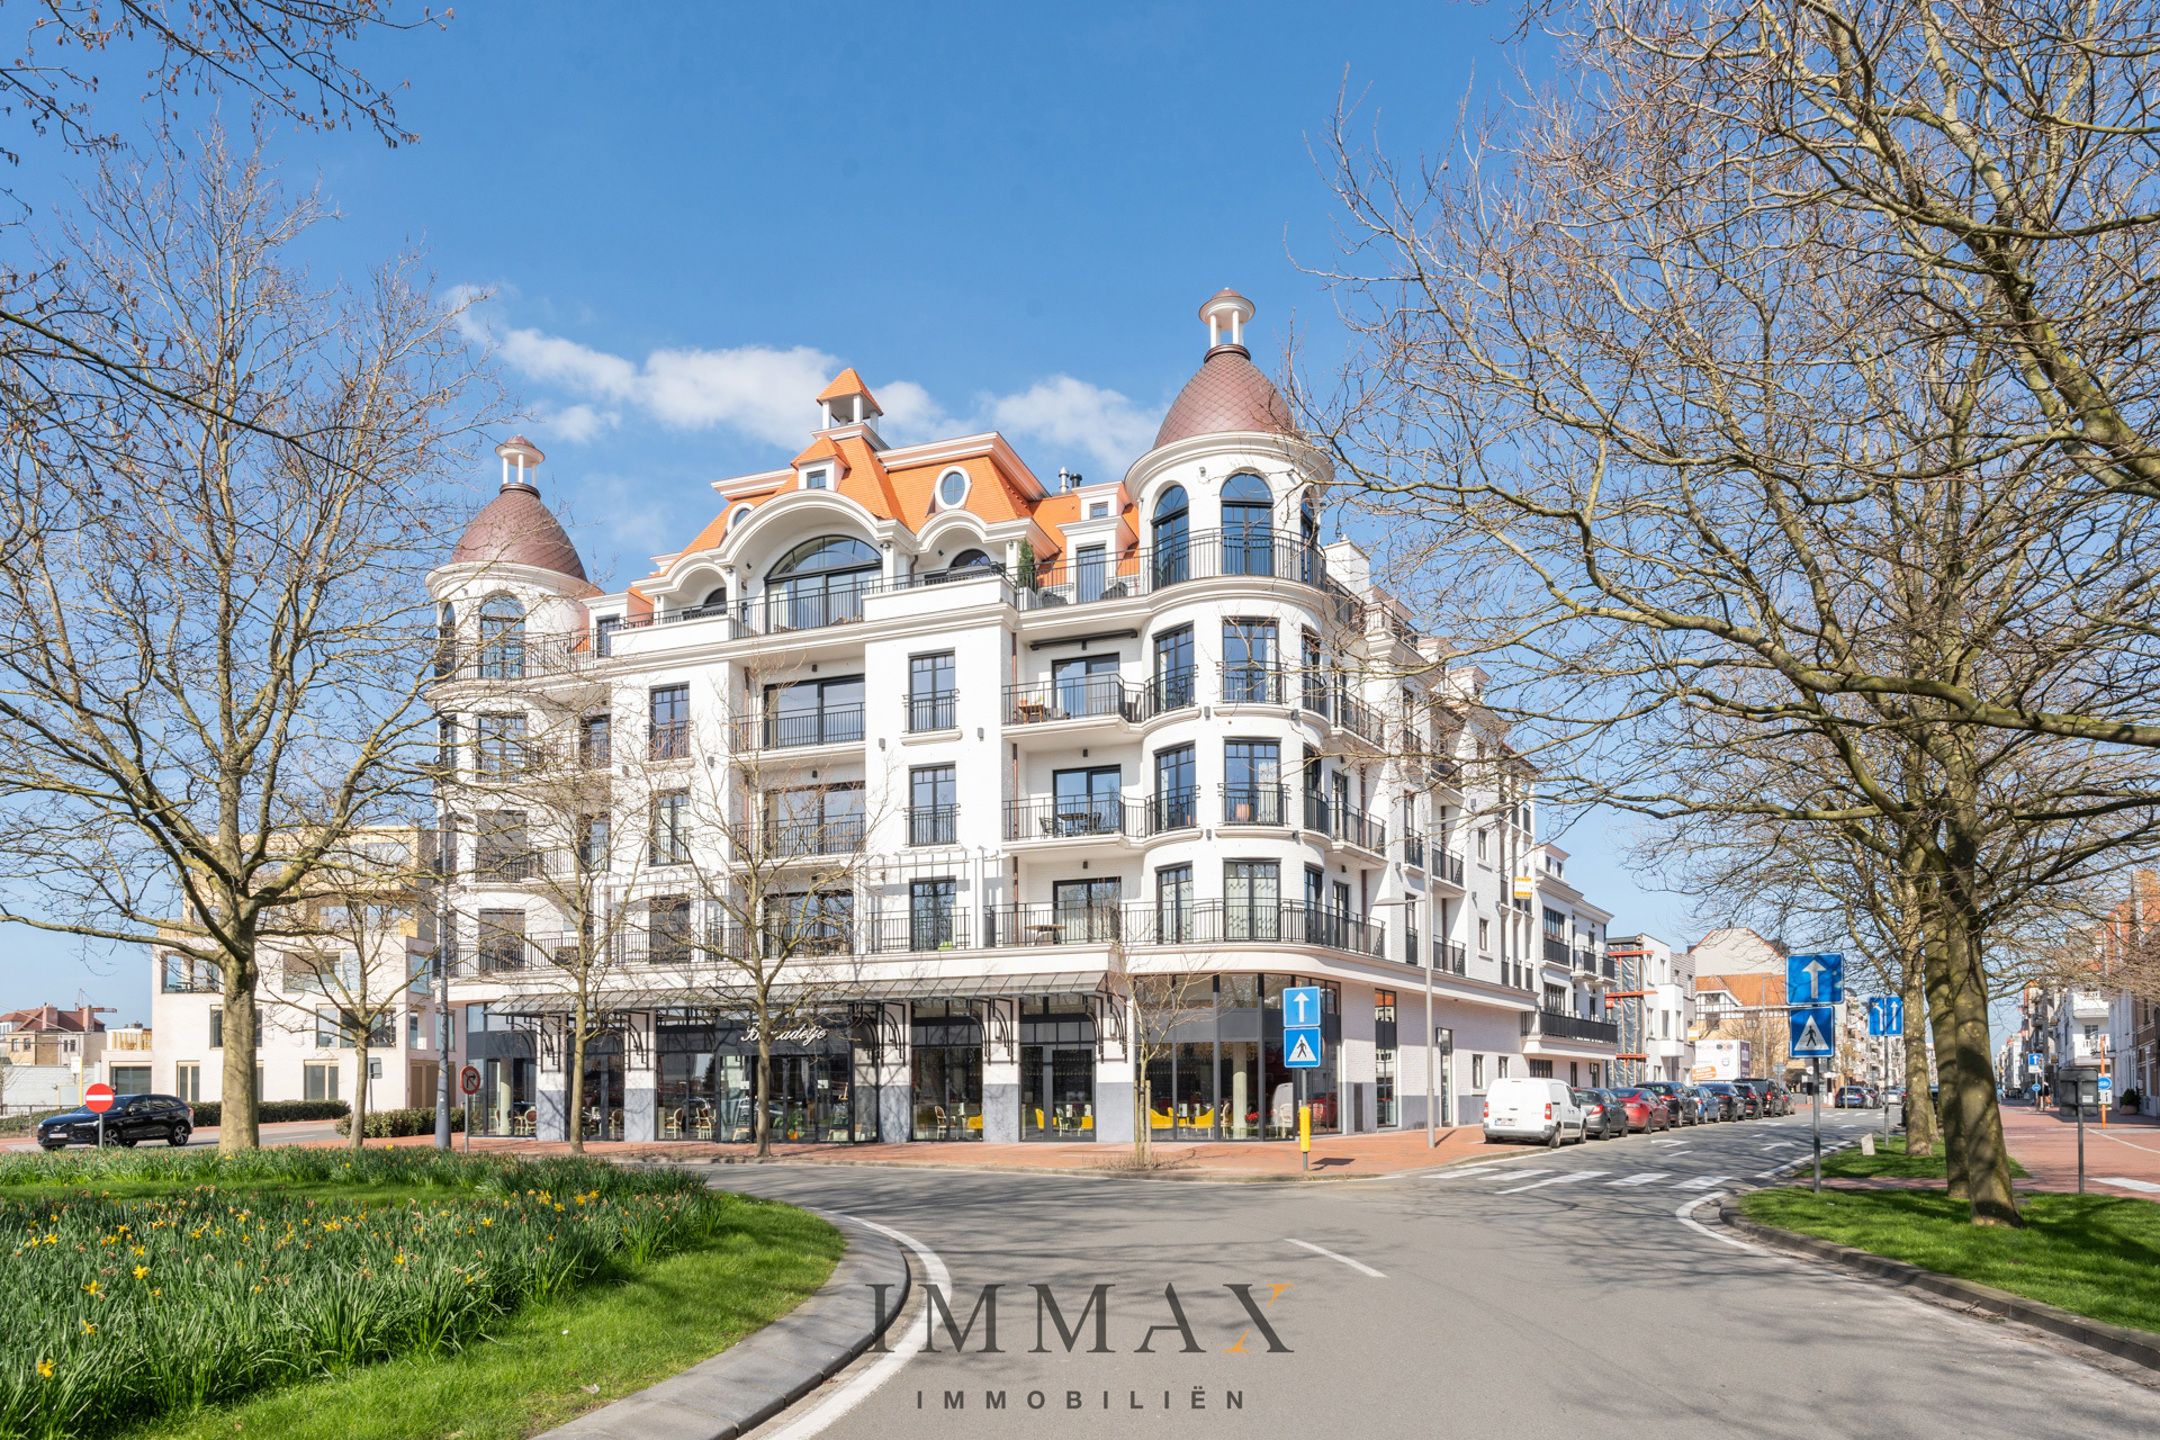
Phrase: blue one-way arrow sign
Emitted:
{"points": [[1301, 1007], [1814, 979], [1814, 1032]]}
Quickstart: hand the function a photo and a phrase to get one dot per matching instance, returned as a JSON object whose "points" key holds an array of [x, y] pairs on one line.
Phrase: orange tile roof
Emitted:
{"points": [[847, 383], [1752, 991]]}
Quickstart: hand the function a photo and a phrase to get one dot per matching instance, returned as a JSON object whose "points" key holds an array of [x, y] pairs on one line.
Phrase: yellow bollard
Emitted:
{"points": [[1304, 1128]]}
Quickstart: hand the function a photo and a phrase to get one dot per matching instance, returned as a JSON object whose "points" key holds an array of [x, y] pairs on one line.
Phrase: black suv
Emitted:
{"points": [[131, 1119], [1770, 1098]]}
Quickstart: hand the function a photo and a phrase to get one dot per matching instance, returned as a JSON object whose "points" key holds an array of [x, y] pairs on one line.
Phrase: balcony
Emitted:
{"points": [[784, 614], [1413, 851], [840, 725], [1083, 817], [1254, 922], [1252, 684], [931, 929], [1446, 866], [1557, 952], [1013, 926], [1255, 805], [1169, 691], [1210, 555], [803, 839], [1082, 697], [1172, 810], [1556, 1025], [1450, 957], [933, 824], [1345, 823], [938, 710]]}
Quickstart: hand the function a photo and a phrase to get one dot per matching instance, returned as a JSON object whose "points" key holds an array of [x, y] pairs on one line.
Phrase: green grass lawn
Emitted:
{"points": [[2098, 1255], [1890, 1162], [533, 1370]]}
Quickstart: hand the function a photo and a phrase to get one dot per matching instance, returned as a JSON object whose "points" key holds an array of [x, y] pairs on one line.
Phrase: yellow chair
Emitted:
{"points": [[1159, 1120]]}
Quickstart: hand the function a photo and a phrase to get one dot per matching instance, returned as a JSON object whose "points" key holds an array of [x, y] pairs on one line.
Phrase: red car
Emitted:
{"points": [[1646, 1109]]}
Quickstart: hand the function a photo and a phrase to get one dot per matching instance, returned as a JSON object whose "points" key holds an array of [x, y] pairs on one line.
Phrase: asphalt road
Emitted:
{"points": [[1546, 1295]]}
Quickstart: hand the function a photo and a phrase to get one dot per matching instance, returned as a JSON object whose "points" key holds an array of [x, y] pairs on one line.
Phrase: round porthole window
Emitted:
{"points": [[739, 514], [952, 489]]}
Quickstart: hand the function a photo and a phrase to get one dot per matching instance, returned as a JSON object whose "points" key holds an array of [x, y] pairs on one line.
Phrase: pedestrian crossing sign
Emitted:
{"points": [[1301, 1049], [1814, 1031]]}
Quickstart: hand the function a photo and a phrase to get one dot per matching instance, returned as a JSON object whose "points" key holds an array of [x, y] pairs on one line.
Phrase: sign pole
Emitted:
{"points": [[1886, 1085], [1817, 1087], [1432, 1096], [1304, 1125], [2080, 1084]]}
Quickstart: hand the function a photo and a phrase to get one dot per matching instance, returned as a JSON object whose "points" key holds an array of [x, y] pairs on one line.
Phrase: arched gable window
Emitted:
{"points": [[1172, 537], [819, 582], [714, 603], [1248, 526], [445, 639], [502, 638]]}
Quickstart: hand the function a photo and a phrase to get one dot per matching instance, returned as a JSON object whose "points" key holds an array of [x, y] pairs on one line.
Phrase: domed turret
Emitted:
{"points": [[1228, 394], [516, 528]]}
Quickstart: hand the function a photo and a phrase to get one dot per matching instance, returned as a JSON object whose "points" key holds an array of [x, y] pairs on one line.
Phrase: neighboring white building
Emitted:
{"points": [[1737, 950], [1080, 734], [305, 1052], [1666, 982]]}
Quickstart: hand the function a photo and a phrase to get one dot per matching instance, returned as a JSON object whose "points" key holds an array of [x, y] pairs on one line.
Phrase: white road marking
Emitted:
{"points": [[1692, 1223], [1357, 1265], [1668, 1142], [859, 1389], [1646, 1178], [1568, 1177], [1503, 1172], [2129, 1184], [1700, 1182]]}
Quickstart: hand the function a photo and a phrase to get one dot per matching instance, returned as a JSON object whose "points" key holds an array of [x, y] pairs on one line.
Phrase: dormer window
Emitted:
{"points": [[817, 477], [739, 514], [1098, 510], [952, 489]]}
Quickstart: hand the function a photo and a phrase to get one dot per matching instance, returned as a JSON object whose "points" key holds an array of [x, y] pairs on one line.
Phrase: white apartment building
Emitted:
{"points": [[1662, 984], [306, 993], [1035, 749]]}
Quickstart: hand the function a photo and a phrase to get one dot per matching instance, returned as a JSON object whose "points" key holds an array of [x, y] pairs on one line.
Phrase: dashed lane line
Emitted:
{"points": [[1647, 1177], [1568, 1177]]}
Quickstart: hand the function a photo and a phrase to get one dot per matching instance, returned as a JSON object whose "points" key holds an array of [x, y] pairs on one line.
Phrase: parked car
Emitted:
{"points": [[1686, 1109], [1705, 1104], [1646, 1109], [1770, 1097], [1895, 1095], [1851, 1097], [1731, 1103], [1524, 1107], [1602, 1114], [133, 1118]]}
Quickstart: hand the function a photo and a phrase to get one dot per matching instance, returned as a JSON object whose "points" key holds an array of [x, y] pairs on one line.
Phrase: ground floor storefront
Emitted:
{"points": [[1073, 1058]]}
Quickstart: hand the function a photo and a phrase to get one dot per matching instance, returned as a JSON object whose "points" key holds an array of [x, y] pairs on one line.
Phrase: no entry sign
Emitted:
{"points": [[98, 1098]]}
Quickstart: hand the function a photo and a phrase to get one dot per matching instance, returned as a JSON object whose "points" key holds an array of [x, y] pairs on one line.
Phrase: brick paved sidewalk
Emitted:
{"points": [[2123, 1159], [1333, 1157]]}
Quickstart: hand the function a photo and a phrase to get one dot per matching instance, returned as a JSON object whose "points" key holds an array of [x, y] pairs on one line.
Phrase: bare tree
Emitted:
{"points": [[1162, 1004], [1783, 375], [207, 661], [343, 943]]}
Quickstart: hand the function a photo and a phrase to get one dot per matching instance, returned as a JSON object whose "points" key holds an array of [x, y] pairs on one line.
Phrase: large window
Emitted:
{"points": [[596, 746], [1173, 904], [814, 712], [819, 582], [815, 819], [671, 828], [930, 692], [667, 930], [502, 849], [1252, 900], [809, 922], [502, 940], [1173, 806], [1087, 685], [671, 722], [319, 1080], [933, 914], [1252, 782], [187, 1080], [1088, 801], [502, 638], [1215, 1069], [1172, 537], [933, 810], [498, 744], [1249, 662], [1086, 910], [1174, 669], [1248, 526]]}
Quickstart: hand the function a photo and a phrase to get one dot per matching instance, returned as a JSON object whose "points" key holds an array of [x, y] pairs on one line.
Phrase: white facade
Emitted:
{"points": [[1076, 738]]}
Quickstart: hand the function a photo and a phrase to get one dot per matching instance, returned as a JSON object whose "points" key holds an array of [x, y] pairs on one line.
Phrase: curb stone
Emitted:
{"points": [[2140, 1347], [765, 1372]]}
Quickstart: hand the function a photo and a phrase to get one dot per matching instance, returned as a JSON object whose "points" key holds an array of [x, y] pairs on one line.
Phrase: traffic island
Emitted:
{"points": [[2081, 1267]]}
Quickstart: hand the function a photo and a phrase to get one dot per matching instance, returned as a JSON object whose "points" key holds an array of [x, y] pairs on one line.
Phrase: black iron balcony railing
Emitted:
{"points": [[1250, 683], [1556, 951], [1450, 957], [1255, 805], [1171, 690], [1586, 960], [837, 725], [1446, 865], [1558, 1025], [1173, 810], [790, 839], [775, 614], [1253, 922], [932, 927], [1413, 948], [1413, 850], [937, 710], [1018, 925], [933, 824], [1071, 817], [1346, 823], [1102, 697], [1360, 719], [1086, 579]]}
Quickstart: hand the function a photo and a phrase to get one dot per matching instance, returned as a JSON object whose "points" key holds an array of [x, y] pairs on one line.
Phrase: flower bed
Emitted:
{"points": [[278, 1266]]}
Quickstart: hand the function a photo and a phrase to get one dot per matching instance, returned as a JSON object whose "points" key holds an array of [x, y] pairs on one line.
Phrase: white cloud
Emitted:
{"points": [[765, 393]]}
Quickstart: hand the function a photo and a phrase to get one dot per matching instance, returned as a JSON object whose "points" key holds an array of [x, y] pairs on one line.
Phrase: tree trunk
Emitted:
{"points": [[763, 1119], [239, 1105], [1941, 1010], [360, 1090], [1969, 1087], [575, 1126], [1920, 1127], [1145, 1112]]}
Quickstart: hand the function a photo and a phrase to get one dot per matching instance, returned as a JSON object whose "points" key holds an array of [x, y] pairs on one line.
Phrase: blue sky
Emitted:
{"points": [[689, 216]]}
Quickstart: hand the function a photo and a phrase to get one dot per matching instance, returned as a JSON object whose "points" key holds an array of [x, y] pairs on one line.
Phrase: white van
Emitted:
{"points": [[1522, 1107]]}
